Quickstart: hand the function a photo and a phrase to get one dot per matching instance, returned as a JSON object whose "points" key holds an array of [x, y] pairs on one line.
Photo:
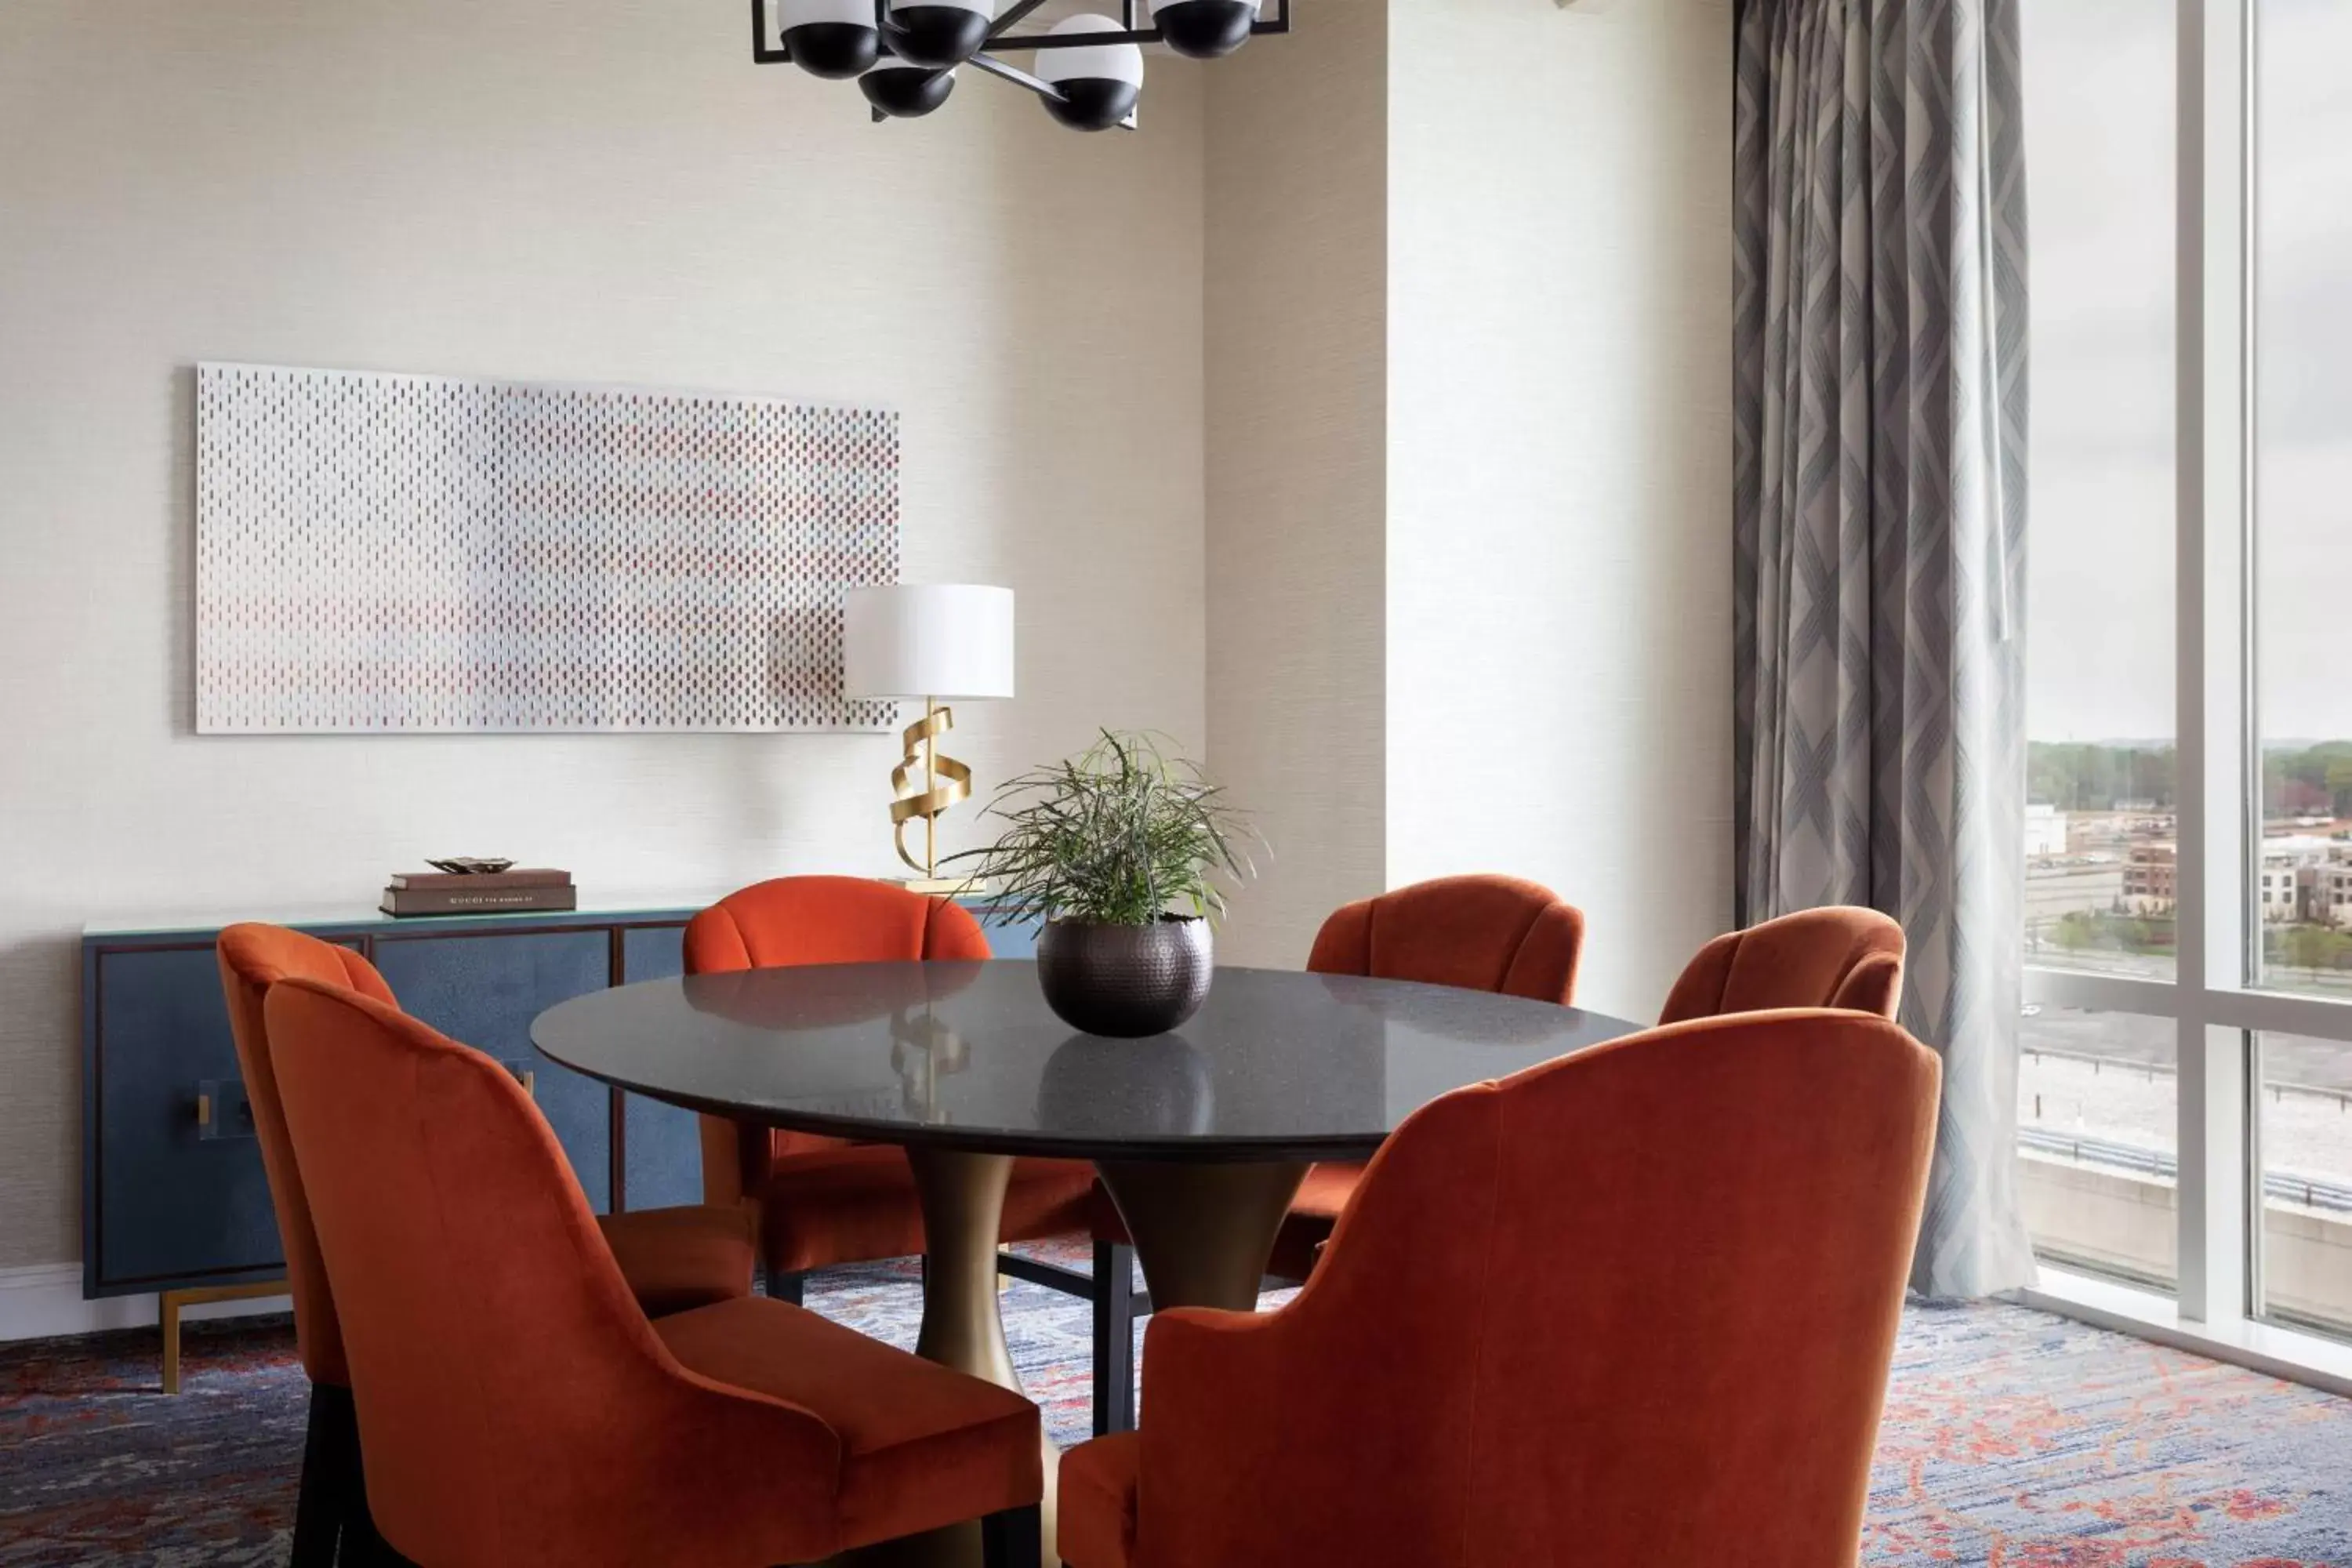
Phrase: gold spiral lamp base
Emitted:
{"points": [[942, 782]]}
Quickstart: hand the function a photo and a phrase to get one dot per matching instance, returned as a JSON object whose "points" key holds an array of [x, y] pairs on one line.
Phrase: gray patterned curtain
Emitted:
{"points": [[1879, 467]]}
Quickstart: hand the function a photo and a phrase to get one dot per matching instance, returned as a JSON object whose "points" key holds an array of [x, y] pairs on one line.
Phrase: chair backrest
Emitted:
{"points": [[252, 958], [809, 920], [827, 919], [1840, 956], [1634, 1305], [1482, 933], [510, 1389]]}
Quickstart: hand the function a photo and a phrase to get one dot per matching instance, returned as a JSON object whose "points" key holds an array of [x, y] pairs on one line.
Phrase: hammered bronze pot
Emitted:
{"points": [[1126, 980]]}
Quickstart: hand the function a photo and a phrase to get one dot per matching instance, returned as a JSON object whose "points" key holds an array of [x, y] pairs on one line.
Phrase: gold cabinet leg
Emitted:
{"points": [[1204, 1233], [170, 1304], [168, 1312]]}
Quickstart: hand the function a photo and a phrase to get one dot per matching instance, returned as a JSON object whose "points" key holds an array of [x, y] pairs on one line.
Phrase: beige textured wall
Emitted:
{"points": [[595, 190], [1297, 368], [1559, 465]]}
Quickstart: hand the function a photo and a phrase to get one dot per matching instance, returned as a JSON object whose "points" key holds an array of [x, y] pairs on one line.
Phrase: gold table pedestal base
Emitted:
{"points": [[963, 1200], [1202, 1232]]}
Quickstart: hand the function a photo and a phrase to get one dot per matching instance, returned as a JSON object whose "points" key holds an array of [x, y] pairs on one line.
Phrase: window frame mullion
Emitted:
{"points": [[2219, 798]]}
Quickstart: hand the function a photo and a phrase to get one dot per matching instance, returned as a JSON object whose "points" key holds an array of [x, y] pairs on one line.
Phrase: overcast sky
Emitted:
{"points": [[2100, 156]]}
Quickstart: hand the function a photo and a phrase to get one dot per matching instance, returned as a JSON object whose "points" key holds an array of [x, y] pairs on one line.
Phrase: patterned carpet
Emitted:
{"points": [[2012, 1438]]}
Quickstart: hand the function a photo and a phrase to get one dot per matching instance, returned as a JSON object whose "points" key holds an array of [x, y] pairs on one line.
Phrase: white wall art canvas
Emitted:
{"points": [[408, 553]]}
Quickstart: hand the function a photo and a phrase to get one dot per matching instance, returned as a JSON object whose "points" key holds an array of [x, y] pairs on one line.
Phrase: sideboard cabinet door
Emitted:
{"points": [[177, 1196], [484, 989], [1014, 939], [664, 1147]]}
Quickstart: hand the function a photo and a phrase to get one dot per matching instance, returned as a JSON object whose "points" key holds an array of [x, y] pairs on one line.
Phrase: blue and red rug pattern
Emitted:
{"points": [[2012, 1438]]}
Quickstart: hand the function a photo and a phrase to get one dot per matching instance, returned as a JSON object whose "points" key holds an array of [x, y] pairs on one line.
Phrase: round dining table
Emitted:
{"points": [[1201, 1136]]}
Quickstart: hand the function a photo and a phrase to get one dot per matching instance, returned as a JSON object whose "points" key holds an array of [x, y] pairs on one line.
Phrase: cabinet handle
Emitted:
{"points": [[203, 1110]]}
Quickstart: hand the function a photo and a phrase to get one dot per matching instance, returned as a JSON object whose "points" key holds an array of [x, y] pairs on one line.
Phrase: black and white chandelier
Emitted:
{"points": [[1089, 69]]}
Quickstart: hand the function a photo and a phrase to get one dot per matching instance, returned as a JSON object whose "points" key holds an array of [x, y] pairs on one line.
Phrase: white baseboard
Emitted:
{"points": [[45, 1302]]}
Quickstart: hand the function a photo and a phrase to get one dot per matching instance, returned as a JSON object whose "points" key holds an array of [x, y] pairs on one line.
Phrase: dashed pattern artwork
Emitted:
{"points": [[411, 553]]}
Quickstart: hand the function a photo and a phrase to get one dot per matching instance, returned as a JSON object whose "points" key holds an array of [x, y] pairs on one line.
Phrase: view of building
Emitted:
{"points": [[2150, 887], [2045, 831]]}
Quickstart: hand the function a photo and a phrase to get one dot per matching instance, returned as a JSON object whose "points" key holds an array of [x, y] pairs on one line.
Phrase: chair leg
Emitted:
{"points": [[1012, 1539], [784, 1286], [363, 1546], [317, 1517], [335, 1423], [1114, 1303]]}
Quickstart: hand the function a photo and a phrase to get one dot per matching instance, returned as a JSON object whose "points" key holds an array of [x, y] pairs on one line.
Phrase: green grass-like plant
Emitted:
{"points": [[1122, 834]]}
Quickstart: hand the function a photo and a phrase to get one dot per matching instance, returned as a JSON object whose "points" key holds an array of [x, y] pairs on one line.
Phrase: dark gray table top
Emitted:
{"points": [[1276, 1065]]}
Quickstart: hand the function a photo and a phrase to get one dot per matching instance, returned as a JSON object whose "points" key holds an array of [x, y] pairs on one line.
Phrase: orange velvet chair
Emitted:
{"points": [[1707, 1227], [516, 1405], [1840, 956], [823, 1201], [673, 1259], [1481, 933]]}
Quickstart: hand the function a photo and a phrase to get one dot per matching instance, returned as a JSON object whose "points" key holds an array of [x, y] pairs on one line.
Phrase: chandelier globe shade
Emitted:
{"points": [[1096, 85], [1204, 29], [939, 32], [904, 91], [835, 40]]}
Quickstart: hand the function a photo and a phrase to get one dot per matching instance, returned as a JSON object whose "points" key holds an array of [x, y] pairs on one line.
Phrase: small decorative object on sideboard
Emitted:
{"points": [[1118, 851], [466, 885]]}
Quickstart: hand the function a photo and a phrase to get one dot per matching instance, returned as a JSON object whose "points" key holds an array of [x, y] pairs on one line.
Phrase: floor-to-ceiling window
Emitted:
{"points": [[2300, 343], [2185, 1086], [2098, 1109]]}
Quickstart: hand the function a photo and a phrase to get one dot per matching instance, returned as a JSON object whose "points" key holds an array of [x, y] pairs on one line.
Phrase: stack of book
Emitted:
{"points": [[516, 891]]}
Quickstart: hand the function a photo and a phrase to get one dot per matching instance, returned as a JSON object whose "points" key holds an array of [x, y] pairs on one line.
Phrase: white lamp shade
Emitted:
{"points": [[1090, 62], [951, 641]]}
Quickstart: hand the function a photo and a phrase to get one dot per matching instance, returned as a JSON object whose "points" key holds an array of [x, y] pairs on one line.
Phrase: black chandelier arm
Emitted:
{"points": [[762, 52], [887, 28], [1014, 75]]}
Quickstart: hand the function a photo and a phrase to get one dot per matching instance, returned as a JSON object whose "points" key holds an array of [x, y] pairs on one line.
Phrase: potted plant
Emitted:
{"points": [[1117, 853]]}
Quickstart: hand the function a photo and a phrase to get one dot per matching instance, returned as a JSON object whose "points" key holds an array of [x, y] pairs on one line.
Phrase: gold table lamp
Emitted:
{"points": [[935, 643]]}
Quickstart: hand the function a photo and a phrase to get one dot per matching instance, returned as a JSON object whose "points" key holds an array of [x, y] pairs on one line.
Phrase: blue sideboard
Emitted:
{"points": [[174, 1198]]}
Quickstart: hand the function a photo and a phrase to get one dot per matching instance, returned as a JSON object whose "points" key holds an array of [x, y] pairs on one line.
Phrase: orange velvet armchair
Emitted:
{"points": [[1840, 956], [1481, 933], [823, 1201], [517, 1407], [673, 1259], [1707, 1228]]}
